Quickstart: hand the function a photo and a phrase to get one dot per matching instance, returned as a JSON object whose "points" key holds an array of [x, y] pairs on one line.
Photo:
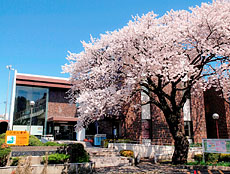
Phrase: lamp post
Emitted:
{"points": [[216, 116], [10, 68], [31, 112]]}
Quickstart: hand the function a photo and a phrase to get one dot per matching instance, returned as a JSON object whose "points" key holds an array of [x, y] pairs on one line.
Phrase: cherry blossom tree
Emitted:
{"points": [[164, 57]]}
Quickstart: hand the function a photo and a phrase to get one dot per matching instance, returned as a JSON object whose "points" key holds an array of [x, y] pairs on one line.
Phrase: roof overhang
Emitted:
{"points": [[42, 81], [62, 119]]}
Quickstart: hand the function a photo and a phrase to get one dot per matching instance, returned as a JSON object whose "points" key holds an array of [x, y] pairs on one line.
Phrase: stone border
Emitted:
{"points": [[52, 168]]}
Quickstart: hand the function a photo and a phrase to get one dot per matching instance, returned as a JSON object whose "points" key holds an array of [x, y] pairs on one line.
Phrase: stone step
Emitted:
{"points": [[102, 152], [111, 161]]}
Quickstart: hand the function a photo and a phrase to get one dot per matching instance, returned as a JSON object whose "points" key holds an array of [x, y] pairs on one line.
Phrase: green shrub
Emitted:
{"points": [[53, 144], [34, 141], [77, 153], [227, 164], [2, 138], [4, 152], [2, 141], [212, 157], [198, 157], [57, 158], [224, 157], [14, 161], [127, 153]]}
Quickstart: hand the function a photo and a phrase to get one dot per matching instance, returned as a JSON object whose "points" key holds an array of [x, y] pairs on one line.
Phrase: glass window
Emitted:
{"points": [[23, 112], [188, 128]]}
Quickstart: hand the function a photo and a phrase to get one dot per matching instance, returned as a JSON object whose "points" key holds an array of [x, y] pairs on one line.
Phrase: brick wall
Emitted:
{"points": [[203, 105], [198, 116], [131, 123], [58, 105], [227, 109], [160, 129]]}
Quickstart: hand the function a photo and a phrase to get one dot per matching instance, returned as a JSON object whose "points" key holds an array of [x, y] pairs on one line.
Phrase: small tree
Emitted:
{"points": [[165, 57]]}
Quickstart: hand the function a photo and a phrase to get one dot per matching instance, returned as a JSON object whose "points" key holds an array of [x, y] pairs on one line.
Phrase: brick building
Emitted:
{"points": [[51, 112], [148, 124]]}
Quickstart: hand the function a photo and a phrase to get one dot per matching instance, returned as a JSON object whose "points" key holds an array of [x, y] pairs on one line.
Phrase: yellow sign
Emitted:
{"points": [[17, 138]]}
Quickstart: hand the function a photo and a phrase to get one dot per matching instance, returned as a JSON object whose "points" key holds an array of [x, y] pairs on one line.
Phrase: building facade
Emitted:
{"points": [[39, 104], [148, 124], [52, 114]]}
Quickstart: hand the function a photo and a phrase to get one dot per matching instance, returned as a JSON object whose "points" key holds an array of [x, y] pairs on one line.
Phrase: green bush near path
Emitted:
{"points": [[34, 141], [4, 152], [57, 158], [53, 144], [211, 159], [2, 138]]}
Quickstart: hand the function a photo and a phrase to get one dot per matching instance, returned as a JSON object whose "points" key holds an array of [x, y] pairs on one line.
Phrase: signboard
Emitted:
{"points": [[216, 145], [35, 130], [17, 138]]}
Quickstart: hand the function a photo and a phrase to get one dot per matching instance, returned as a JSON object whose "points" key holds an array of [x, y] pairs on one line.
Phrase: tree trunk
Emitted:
{"points": [[180, 154], [176, 126]]}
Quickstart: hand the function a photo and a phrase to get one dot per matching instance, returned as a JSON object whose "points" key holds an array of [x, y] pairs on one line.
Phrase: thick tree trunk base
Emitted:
{"points": [[180, 154]]}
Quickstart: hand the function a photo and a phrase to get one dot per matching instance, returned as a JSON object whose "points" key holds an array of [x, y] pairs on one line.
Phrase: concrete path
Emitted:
{"points": [[150, 168]]}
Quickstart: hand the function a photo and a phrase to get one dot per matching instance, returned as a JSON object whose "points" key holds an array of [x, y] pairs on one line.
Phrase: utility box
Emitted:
{"points": [[98, 138]]}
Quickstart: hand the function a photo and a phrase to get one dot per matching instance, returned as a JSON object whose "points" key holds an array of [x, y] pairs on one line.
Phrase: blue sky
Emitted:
{"points": [[35, 35]]}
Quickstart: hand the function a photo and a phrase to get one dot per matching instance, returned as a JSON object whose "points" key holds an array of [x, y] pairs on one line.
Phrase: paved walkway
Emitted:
{"points": [[150, 168]]}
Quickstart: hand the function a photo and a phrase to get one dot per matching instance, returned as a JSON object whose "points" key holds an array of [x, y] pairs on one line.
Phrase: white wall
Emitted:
{"points": [[150, 151]]}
